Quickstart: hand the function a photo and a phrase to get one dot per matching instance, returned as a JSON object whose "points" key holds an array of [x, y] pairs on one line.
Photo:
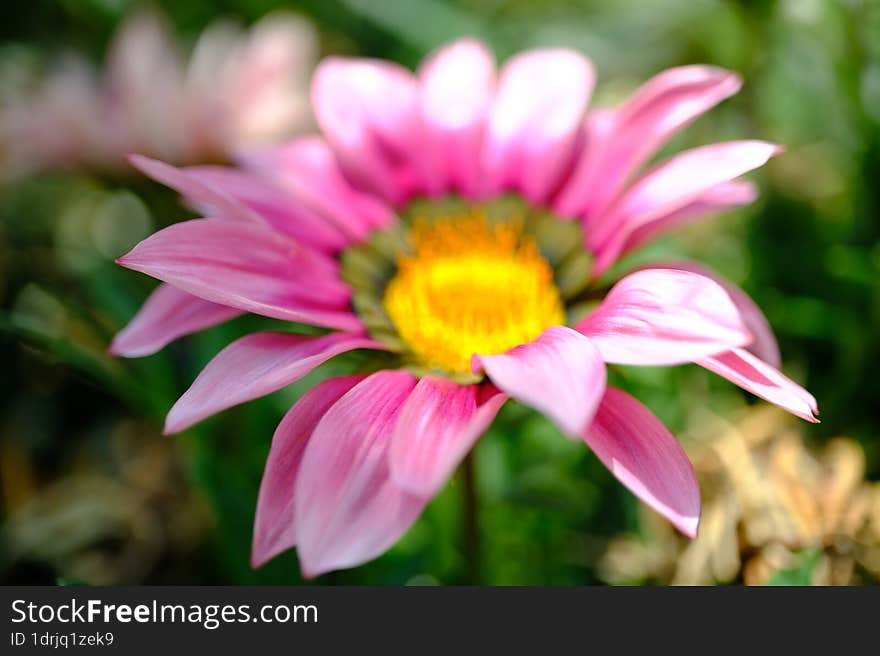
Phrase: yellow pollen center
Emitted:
{"points": [[469, 287]]}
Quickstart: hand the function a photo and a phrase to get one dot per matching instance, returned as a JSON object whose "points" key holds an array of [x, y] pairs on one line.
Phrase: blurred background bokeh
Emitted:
{"points": [[92, 493]]}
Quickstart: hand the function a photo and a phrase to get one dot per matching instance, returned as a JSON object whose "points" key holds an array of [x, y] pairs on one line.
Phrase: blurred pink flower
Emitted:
{"points": [[396, 231], [237, 89]]}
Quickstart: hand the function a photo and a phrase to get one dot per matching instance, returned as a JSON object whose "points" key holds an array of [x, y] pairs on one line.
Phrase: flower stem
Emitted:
{"points": [[471, 520]]}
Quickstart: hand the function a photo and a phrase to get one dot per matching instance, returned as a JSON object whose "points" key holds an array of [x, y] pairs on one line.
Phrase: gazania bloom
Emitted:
{"points": [[237, 89], [454, 222]]}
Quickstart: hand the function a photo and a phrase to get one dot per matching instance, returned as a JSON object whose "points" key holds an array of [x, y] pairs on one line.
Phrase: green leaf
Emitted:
{"points": [[802, 573]]}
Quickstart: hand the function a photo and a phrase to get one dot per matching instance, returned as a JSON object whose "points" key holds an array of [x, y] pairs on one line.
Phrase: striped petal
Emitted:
{"points": [[535, 121], [249, 267], [254, 366], [309, 169], [272, 203], [274, 528], [456, 88], [168, 313], [641, 452], [670, 187], [665, 316], [438, 425], [756, 376], [347, 508], [560, 373], [661, 107], [367, 109], [763, 344]]}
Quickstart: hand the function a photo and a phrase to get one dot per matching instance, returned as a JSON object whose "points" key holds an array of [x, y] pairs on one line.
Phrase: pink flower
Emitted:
{"points": [[454, 221], [238, 88]]}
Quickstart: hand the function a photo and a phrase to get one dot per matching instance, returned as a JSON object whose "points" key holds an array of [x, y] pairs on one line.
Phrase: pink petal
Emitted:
{"points": [[724, 196], [367, 109], [143, 87], [535, 121], [195, 191], [254, 366], [764, 345], [560, 373], [579, 186], [229, 193], [457, 84], [274, 526], [673, 185], [142, 56], [752, 374], [167, 314], [644, 456], [309, 170], [249, 267], [262, 79], [348, 510], [68, 100], [664, 316], [438, 425], [274, 204], [659, 109]]}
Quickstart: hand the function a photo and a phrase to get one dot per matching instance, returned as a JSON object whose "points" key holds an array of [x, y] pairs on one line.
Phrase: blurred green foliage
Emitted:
{"points": [[808, 252], [802, 573]]}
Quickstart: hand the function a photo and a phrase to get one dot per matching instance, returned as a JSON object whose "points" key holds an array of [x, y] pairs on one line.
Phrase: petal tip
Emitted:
{"points": [[260, 555], [689, 526], [144, 164], [730, 80], [173, 424], [309, 571], [470, 43], [124, 346], [129, 260]]}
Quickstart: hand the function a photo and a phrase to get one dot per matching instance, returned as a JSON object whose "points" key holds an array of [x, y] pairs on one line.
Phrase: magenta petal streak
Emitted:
{"points": [[168, 313], [535, 121], [560, 373], [309, 170], [274, 204], [348, 509], [631, 134], [756, 376], [274, 525], [254, 366], [193, 190], [764, 343], [724, 196], [457, 85], [665, 316], [646, 458], [249, 267], [438, 425], [367, 109], [668, 189]]}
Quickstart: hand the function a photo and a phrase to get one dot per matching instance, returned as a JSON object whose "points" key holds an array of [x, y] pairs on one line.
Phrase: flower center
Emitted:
{"points": [[470, 285]]}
